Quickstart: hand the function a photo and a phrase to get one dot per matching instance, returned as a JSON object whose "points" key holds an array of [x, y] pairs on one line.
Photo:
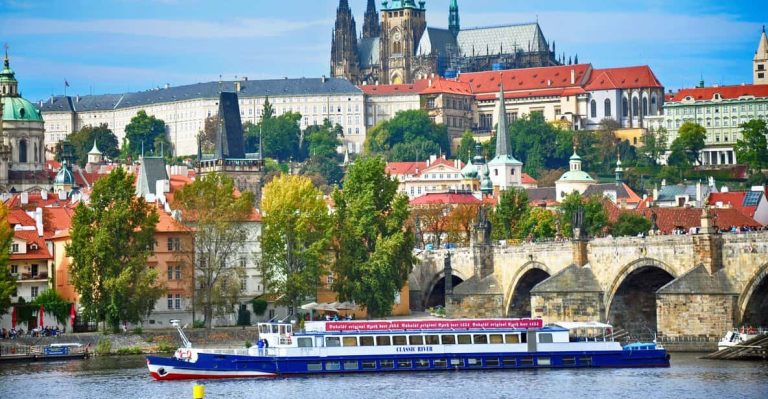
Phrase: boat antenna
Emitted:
{"points": [[183, 336]]}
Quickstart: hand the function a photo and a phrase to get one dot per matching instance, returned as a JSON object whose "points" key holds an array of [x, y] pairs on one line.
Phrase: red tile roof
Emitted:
{"points": [[734, 199], [31, 237], [440, 85], [670, 218], [622, 78], [405, 168], [726, 92], [527, 179], [526, 79], [57, 220], [391, 90], [445, 198], [17, 216]]}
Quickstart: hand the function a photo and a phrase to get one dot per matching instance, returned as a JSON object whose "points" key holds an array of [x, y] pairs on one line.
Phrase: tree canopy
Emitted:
{"points": [[752, 147], [112, 238], [321, 142], [512, 206], [372, 248], [281, 135], [595, 217], [215, 213], [148, 131], [409, 136], [685, 148], [294, 240], [630, 224], [538, 144], [82, 143]]}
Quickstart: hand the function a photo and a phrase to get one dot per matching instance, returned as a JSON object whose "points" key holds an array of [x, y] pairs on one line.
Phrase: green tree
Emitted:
{"points": [[147, 131], [630, 224], [409, 136], [215, 213], [595, 216], [294, 239], [82, 143], [537, 143], [513, 204], [466, 149], [752, 147], [7, 281], [689, 141], [53, 303], [112, 238], [207, 136], [324, 160], [281, 135], [536, 223], [372, 247], [654, 145]]}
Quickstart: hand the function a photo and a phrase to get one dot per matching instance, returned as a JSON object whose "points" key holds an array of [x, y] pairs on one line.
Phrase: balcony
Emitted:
{"points": [[32, 277]]}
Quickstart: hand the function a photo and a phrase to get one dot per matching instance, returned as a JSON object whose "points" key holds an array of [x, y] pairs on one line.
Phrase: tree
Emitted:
{"points": [[513, 204], [689, 141], [209, 132], [630, 224], [433, 220], [654, 145], [409, 136], [7, 281], [372, 249], [281, 135], [605, 149], [322, 143], [82, 143], [466, 149], [460, 222], [215, 214], [752, 147], [111, 240], [294, 239], [536, 223], [538, 144], [145, 132], [595, 217], [53, 303]]}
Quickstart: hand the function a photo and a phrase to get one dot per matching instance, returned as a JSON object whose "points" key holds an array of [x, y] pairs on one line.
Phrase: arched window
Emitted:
{"points": [[645, 106], [37, 154], [593, 108], [625, 107], [397, 48], [23, 151], [607, 107], [635, 106]]}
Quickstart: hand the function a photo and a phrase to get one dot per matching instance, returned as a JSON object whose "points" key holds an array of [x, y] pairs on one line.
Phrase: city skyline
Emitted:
{"points": [[138, 45]]}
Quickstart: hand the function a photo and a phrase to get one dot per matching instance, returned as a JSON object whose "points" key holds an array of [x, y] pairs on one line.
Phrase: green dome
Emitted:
{"points": [[469, 171], [64, 176], [19, 109], [576, 175]]}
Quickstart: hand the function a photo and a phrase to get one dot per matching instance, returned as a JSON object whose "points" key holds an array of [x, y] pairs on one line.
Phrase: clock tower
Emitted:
{"points": [[402, 24]]}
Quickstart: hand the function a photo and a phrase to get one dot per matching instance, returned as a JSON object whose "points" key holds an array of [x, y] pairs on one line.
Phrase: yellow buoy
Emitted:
{"points": [[198, 392]]}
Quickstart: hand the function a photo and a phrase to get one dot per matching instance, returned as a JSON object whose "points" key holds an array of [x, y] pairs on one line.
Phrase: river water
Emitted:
{"points": [[127, 377]]}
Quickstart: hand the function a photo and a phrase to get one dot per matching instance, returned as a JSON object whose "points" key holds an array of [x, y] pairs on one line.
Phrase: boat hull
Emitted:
{"points": [[243, 366]]}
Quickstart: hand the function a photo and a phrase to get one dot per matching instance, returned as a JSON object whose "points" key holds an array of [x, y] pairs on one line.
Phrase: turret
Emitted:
{"points": [[371, 26], [453, 18], [760, 62], [9, 86]]}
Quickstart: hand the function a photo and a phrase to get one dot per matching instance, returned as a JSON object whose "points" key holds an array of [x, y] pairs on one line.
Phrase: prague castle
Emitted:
{"points": [[399, 48]]}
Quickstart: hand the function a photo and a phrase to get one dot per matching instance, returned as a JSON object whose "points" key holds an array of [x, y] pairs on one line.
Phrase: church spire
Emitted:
{"points": [[371, 26], [453, 18], [760, 62], [502, 138]]}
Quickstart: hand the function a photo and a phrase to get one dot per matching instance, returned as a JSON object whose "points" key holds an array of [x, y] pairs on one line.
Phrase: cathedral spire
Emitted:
{"points": [[371, 26], [502, 138], [453, 18]]}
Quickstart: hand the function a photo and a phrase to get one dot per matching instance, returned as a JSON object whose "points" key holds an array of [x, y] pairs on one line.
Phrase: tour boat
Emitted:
{"points": [[739, 336], [337, 347]]}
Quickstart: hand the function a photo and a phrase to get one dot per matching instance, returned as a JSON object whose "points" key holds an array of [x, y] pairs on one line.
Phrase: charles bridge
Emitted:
{"points": [[676, 285]]}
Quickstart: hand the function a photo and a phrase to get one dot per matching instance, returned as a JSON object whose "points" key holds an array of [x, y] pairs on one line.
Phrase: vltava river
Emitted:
{"points": [[127, 377]]}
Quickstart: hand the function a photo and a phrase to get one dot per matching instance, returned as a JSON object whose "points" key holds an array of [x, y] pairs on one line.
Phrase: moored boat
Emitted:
{"points": [[328, 347], [739, 336]]}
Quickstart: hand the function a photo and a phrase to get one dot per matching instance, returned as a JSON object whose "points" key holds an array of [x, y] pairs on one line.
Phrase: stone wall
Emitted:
{"points": [[475, 306], [576, 306], [696, 315]]}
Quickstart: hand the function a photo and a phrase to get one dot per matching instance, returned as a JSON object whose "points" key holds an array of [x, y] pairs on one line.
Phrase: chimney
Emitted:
{"points": [[44, 194], [24, 198], [237, 87], [573, 76], [430, 82], [62, 195], [699, 194], [39, 221], [323, 79]]}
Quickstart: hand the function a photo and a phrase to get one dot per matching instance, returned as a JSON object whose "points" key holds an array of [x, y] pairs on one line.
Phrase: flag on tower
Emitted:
{"points": [[66, 84]]}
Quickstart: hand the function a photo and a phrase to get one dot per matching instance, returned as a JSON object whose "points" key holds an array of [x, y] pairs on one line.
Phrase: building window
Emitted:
{"points": [[15, 248], [23, 151], [170, 272], [486, 121], [14, 269], [329, 279], [645, 106], [607, 107], [170, 301], [178, 272], [34, 291], [243, 283], [593, 109], [174, 244], [625, 107], [177, 301], [635, 107]]}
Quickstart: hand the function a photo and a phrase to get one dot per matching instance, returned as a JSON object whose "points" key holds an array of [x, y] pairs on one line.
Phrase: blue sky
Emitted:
{"points": [[129, 45]]}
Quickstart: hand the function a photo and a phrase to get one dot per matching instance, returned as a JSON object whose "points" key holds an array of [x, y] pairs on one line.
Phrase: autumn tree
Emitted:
{"points": [[372, 248], [460, 222], [7, 281], [294, 239], [112, 237], [216, 214], [207, 136], [432, 220]]}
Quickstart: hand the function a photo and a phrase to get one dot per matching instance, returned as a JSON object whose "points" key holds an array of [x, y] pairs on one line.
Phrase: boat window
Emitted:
{"points": [[480, 339], [351, 365], [304, 342], [457, 362], [383, 340], [369, 364], [422, 363], [569, 361], [474, 362], [526, 361], [448, 339], [281, 328], [543, 361], [492, 362], [440, 363], [545, 338], [314, 366], [404, 364], [387, 364], [585, 360], [289, 329], [509, 361], [399, 340], [496, 339], [263, 329], [332, 342], [366, 341], [465, 339], [274, 329], [349, 341], [524, 338], [512, 338], [416, 339], [432, 339], [333, 366]]}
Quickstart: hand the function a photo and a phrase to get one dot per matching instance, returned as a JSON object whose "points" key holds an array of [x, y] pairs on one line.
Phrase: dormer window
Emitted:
{"points": [[15, 248], [717, 96], [33, 246]]}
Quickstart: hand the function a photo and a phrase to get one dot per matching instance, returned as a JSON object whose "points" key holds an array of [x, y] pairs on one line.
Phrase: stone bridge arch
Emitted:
{"points": [[758, 283], [438, 283], [538, 269], [644, 276]]}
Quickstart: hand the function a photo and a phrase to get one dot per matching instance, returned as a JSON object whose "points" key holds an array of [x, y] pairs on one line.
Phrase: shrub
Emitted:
{"points": [[165, 347], [248, 344], [104, 346], [198, 324], [131, 350], [138, 330]]}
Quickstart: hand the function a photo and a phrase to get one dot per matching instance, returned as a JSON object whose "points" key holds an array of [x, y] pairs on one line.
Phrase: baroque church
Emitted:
{"points": [[397, 46]]}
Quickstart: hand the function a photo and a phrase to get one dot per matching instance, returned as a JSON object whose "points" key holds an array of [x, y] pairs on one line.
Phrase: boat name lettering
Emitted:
{"points": [[414, 349]]}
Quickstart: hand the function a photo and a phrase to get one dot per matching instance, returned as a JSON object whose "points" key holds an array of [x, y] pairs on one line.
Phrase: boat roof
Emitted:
{"points": [[572, 325], [416, 325]]}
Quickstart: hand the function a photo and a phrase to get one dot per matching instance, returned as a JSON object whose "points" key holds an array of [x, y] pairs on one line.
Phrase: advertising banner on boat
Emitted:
{"points": [[467, 324]]}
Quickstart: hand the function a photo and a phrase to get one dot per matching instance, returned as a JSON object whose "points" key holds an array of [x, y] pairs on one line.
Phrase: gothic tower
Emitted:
{"points": [[371, 27], [453, 18], [344, 58], [760, 62], [402, 25]]}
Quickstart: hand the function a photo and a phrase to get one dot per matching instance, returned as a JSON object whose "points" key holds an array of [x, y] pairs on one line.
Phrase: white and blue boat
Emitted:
{"points": [[337, 347]]}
